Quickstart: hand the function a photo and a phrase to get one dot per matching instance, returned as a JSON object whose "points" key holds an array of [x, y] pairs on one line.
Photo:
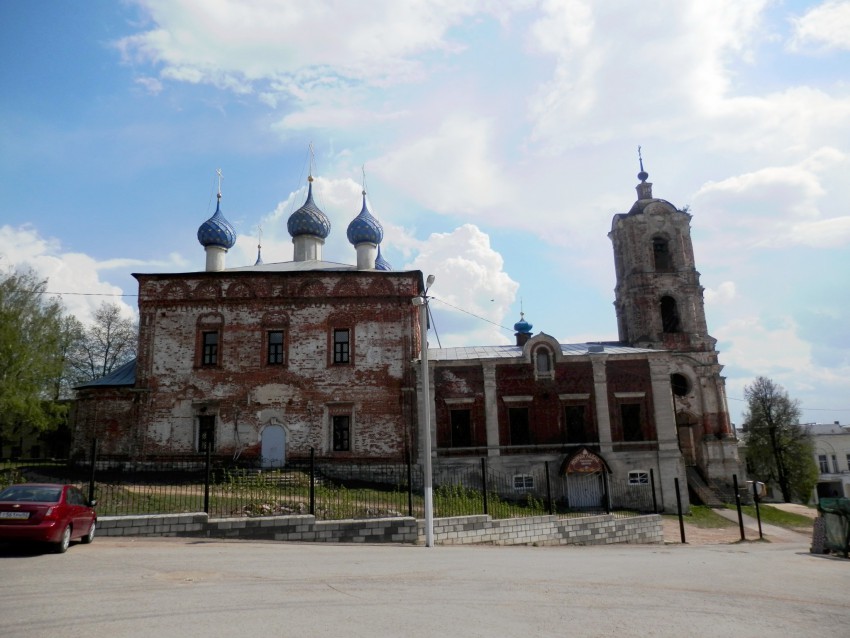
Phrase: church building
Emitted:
{"points": [[269, 361]]}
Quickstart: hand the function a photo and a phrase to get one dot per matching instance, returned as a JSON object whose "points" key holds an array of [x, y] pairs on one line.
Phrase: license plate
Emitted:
{"points": [[14, 514]]}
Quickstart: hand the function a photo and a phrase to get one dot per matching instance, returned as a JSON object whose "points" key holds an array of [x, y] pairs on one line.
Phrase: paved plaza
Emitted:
{"points": [[185, 587]]}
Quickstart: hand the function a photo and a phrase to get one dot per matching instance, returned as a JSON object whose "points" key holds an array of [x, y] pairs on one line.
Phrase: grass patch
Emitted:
{"points": [[704, 518], [780, 518]]}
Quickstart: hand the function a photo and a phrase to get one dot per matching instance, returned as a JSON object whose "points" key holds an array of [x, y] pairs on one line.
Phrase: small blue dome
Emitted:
{"points": [[217, 231], [309, 219], [381, 263], [364, 227], [522, 326]]}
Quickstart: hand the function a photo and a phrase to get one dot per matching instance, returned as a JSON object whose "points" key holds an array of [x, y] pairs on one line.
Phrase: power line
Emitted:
{"points": [[91, 294], [443, 301], [472, 314], [78, 294]]}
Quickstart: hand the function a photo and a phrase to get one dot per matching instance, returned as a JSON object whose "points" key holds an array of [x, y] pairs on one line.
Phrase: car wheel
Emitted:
{"points": [[88, 538], [65, 541]]}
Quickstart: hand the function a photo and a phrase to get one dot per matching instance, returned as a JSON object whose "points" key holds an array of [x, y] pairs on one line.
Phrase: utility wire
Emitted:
{"points": [[472, 314], [433, 323]]}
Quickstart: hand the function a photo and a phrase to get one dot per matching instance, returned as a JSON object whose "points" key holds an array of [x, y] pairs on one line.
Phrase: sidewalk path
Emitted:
{"points": [[770, 532]]}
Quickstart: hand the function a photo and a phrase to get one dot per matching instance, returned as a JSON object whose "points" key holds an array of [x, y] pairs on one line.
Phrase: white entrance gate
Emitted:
{"points": [[585, 490], [273, 446]]}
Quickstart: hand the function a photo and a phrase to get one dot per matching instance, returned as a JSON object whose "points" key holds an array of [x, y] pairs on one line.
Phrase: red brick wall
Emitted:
{"points": [[459, 382], [630, 376], [546, 408], [244, 392]]}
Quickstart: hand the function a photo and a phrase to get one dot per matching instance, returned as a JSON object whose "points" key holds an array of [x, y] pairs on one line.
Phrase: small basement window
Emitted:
{"points": [[638, 477], [523, 482]]}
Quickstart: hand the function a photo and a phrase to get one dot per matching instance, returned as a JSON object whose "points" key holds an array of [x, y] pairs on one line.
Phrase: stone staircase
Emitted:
{"points": [[705, 493]]}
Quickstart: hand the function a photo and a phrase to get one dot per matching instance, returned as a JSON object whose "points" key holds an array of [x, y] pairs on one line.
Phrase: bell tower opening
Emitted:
{"points": [[670, 322], [661, 254]]}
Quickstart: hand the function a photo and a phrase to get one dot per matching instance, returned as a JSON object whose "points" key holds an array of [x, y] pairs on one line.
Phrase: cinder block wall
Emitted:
{"points": [[546, 530], [538, 530]]}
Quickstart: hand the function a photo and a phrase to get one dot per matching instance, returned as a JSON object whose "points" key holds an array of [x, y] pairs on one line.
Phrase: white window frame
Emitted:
{"points": [[639, 477], [523, 482]]}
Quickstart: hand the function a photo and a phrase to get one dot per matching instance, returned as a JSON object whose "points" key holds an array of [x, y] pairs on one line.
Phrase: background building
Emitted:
{"points": [[269, 361], [832, 453]]}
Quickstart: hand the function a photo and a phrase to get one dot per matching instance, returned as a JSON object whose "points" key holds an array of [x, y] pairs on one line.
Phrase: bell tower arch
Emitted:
{"points": [[658, 296], [658, 299]]}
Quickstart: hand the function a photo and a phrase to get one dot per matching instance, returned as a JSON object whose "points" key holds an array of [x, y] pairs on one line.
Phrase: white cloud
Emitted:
{"points": [[826, 25], [151, 85], [826, 233], [775, 206], [752, 349], [235, 42], [724, 294], [452, 170], [621, 73], [74, 277], [469, 275]]}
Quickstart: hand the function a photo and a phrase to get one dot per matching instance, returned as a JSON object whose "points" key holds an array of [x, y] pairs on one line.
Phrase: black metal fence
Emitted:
{"points": [[327, 490]]}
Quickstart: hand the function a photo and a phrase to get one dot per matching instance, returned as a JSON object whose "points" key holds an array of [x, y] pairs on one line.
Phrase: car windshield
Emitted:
{"points": [[32, 494]]}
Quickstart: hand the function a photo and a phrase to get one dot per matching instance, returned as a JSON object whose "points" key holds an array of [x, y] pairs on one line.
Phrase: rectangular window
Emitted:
{"points": [[206, 432], [575, 430], [342, 350], [638, 477], [209, 356], [461, 428], [520, 432], [523, 482], [848, 462], [630, 415], [835, 464], [661, 251], [341, 425], [275, 347], [823, 464]]}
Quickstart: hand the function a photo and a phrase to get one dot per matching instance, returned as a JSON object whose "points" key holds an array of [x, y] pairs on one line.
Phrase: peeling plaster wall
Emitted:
{"points": [[244, 393]]}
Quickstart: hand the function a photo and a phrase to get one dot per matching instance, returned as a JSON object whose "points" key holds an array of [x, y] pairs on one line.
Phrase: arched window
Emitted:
{"points": [[543, 361], [661, 253], [670, 315], [679, 384]]}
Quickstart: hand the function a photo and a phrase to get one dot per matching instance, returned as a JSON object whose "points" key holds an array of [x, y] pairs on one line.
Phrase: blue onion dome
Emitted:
{"points": [[309, 219], [217, 231], [364, 227], [522, 325], [381, 263]]}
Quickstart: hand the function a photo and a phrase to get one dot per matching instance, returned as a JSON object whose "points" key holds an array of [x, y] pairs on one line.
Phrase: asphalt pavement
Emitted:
{"points": [[184, 587]]}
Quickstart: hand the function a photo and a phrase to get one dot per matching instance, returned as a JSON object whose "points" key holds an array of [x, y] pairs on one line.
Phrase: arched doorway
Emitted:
{"points": [[585, 491], [273, 446], [585, 474], [685, 425]]}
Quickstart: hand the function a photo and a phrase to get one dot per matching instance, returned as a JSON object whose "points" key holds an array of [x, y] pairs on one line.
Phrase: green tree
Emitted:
{"points": [[71, 335], [779, 449], [30, 353], [108, 343]]}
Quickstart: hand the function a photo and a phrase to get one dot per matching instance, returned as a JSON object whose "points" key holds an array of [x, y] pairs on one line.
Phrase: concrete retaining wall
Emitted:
{"points": [[537, 530], [546, 530]]}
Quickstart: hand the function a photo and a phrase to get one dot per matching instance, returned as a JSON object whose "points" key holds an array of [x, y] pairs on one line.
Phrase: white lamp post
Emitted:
{"points": [[422, 302]]}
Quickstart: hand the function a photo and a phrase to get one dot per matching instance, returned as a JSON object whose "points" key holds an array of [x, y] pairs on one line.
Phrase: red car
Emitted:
{"points": [[46, 513]]}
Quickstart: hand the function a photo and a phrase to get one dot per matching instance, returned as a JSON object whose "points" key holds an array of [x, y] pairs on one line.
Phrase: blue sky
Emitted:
{"points": [[498, 139]]}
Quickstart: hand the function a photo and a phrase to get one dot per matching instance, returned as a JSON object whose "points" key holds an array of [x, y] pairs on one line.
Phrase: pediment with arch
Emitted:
{"points": [[207, 290], [311, 288], [175, 290], [239, 290], [381, 286], [347, 287]]}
